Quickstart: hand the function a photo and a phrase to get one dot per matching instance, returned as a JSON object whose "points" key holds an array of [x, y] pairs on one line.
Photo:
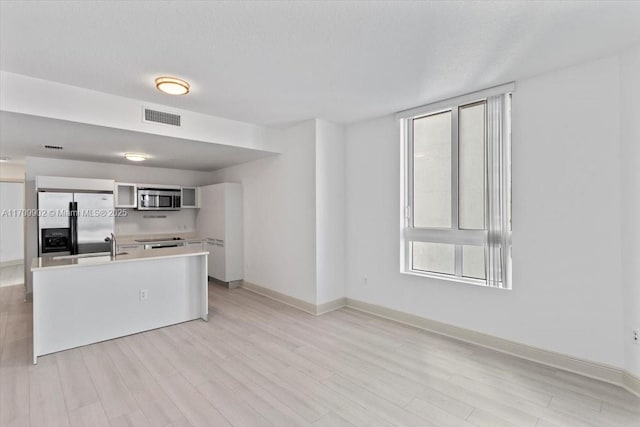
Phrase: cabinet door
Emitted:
{"points": [[194, 245], [129, 248], [210, 246], [218, 262], [126, 195], [203, 215], [189, 197], [217, 217]]}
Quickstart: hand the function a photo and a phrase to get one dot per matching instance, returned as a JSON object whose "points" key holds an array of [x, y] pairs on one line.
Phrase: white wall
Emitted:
{"points": [[630, 174], [330, 212], [294, 214], [37, 97], [12, 171], [567, 293], [134, 223], [279, 215], [11, 226]]}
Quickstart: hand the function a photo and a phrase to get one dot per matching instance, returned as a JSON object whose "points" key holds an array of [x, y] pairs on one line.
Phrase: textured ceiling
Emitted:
{"points": [[280, 62]]}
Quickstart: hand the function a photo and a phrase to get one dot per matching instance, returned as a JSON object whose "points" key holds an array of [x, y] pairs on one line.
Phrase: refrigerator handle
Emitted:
{"points": [[73, 225]]}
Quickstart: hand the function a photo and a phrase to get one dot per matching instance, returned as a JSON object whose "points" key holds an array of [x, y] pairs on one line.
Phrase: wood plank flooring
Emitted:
{"points": [[11, 275], [258, 362]]}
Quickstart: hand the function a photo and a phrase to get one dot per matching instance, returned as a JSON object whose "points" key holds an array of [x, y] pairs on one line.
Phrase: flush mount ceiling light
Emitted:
{"points": [[172, 86], [135, 157]]}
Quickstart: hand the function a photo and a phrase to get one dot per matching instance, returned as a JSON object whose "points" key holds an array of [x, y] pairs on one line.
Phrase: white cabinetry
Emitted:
{"points": [[194, 244], [219, 221], [130, 247], [126, 195], [190, 197]]}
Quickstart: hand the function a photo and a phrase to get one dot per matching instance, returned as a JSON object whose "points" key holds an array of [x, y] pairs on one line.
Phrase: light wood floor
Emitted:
{"points": [[12, 275], [261, 363]]}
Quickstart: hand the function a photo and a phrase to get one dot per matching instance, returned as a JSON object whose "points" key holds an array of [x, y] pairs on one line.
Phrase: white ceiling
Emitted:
{"points": [[24, 135], [281, 62]]}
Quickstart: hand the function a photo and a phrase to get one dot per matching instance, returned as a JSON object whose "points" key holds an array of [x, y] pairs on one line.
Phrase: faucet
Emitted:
{"points": [[114, 247]]}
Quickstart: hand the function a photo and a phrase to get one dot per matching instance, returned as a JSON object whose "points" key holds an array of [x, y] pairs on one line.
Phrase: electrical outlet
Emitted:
{"points": [[636, 337], [366, 280], [144, 294]]}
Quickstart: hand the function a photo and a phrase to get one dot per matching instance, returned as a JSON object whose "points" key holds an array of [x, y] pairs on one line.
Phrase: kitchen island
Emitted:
{"points": [[88, 299]]}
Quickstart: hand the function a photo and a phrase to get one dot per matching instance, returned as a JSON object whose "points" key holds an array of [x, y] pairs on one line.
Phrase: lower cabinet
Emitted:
{"points": [[217, 265], [219, 221], [219, 268], [194, 244], [130, 248]]}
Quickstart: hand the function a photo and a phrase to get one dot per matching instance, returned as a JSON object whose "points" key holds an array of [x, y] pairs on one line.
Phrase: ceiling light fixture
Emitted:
{"points": [[135, 157], [172, 86]]}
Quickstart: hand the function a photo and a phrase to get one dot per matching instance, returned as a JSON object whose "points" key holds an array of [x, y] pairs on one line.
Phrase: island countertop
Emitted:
{"points": [[46, 263]]}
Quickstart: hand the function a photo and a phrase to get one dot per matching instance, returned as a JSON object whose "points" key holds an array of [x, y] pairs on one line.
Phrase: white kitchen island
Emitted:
{"points": [[80, 301]]}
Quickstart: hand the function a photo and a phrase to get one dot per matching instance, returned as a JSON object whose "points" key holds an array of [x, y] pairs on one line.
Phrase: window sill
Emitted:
{"points": [[448, 278]]}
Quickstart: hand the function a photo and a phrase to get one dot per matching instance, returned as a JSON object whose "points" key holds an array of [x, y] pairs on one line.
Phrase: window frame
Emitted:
{"points": [[454, 235]]}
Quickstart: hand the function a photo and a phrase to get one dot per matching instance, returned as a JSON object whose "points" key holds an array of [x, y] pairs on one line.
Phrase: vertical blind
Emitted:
{"points": [[498, 219]]}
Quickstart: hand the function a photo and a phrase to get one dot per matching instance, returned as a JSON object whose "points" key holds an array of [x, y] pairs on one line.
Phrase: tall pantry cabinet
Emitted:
{"points": [[219, 221]]}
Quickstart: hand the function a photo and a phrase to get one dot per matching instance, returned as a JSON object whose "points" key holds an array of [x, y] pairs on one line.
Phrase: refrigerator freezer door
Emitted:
{"points": [[95, 221], [54, 208], [54, 214]]}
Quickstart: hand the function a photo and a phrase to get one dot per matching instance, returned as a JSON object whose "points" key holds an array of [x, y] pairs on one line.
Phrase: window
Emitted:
{"points": [[456, 207]]}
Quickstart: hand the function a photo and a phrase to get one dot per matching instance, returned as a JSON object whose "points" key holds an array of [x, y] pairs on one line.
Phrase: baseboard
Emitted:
{"points": [[573, 364], [631, 383], [231, 284], [305, 306], [11, 263], [331, 306]]}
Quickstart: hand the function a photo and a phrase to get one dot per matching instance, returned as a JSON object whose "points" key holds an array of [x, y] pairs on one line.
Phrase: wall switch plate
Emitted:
{"points": [[144, 294]]}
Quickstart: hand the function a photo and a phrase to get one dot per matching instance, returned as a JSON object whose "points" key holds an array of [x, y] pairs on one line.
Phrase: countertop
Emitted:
{"points": [[47, 263], [130, 239]]}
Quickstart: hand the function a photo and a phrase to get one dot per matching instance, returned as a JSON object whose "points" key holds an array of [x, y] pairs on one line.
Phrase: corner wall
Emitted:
{"points": [[294, 215], [279, 215], [330, 212], [630, 179]]}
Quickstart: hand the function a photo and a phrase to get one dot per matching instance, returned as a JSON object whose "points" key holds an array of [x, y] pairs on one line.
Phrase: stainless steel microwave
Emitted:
{"points": [[158, 199]]}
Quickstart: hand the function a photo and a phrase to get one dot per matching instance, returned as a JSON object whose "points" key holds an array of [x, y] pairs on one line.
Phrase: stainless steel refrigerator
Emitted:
{"points": [[71, 223]]}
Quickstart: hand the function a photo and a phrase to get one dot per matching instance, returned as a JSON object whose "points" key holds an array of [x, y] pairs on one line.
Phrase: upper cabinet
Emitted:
{"points": [[126, 195], [190, 197]]}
